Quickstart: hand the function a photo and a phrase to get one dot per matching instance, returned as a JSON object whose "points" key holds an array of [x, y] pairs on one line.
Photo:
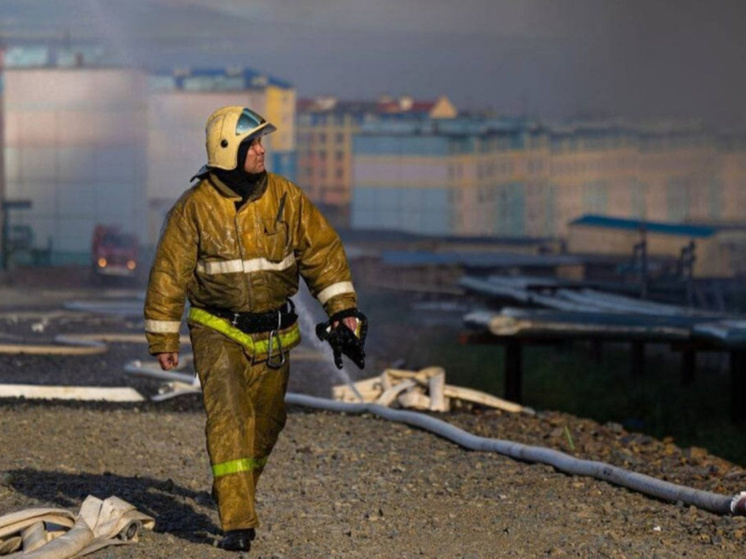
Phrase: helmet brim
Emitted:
{"points": [[263, 130]]}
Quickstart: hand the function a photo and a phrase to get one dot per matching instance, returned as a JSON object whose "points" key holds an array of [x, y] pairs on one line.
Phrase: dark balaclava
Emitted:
{"points": [[238, 180]]}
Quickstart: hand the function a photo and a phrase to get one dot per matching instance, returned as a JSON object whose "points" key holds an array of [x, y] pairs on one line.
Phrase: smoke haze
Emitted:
{"points": [[549, 58]]}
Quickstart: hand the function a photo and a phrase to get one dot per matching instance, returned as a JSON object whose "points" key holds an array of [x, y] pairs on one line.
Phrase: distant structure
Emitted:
{"points": [[89, 141], [326, 127], [710, 251], [513, 177], [75, 146]]}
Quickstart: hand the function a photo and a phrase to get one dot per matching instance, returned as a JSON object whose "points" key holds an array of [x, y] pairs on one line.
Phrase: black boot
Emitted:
{"points": [[238, 540]]}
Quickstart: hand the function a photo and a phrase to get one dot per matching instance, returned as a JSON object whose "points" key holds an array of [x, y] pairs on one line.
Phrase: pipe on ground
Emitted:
{"points": [[713, 502]]}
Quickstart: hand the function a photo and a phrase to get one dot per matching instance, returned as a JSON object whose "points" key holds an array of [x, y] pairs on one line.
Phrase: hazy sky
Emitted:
{"points": [[551, 58]]}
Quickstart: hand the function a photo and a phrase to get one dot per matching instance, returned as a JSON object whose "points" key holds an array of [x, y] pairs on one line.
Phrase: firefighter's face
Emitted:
{"points": [[255, 157]]}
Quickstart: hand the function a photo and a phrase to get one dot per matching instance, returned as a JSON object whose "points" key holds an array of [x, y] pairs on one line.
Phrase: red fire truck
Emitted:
{"points": [[113, 253]]}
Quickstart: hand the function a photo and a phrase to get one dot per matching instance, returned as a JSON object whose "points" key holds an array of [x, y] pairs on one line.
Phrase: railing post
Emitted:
{"points": [[513, 370]]}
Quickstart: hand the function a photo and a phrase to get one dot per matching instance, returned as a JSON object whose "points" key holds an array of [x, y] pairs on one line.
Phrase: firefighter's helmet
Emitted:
{"points": [[226, 129]]}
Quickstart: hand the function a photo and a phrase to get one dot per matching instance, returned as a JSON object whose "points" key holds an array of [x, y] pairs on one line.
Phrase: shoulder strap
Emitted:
{"points": [[201, 174]]}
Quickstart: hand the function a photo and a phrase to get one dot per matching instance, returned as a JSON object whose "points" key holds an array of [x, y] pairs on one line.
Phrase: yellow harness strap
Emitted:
{"points": [[288, 338]]}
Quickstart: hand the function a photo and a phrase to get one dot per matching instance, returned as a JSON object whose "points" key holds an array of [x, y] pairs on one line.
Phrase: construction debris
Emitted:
{"points": [[425, 389], [58, 534]]}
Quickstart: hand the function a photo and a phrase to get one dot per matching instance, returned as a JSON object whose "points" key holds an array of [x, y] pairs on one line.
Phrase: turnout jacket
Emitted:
{"points": [[216, 252]]}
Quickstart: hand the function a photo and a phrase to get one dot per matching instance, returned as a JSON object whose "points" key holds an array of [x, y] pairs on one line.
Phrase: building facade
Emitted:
{"points": [[468, 177], [326, 129], [520, 178], [75, 147], [89, 141]]}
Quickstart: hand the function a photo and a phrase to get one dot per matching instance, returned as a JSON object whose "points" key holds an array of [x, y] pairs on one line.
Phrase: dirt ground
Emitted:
{"points": [[343, 486]]}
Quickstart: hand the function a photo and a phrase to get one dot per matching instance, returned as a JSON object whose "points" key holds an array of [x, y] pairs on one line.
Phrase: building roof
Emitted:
{"points": [[92, 54], [216, 78], [458, 126], [677, 229], [379, 236], [332, 105], [81, 54], [405, 106], [487, 260], [486, 242]]}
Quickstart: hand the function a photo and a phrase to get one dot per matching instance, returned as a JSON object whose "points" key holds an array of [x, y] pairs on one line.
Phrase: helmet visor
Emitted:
{"points": [[252, 124], [248, 121]]}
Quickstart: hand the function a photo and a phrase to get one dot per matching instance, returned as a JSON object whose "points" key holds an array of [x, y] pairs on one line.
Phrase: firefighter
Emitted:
{"points": [[235, 245]]}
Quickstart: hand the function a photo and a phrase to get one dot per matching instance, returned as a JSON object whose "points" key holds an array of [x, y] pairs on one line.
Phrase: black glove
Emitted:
{"points": [[343, 340]]}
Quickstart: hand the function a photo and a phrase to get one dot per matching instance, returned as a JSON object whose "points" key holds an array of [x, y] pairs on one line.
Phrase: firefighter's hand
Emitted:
{"points": [[168, 360], [350, 322]]}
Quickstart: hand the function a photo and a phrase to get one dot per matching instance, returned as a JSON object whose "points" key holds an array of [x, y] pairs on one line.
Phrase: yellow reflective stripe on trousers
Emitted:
{"points": [[204, 318], [237, 466]]}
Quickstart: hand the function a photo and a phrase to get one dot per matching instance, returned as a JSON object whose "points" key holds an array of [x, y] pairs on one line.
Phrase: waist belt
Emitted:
{"points": [[256, 323]]}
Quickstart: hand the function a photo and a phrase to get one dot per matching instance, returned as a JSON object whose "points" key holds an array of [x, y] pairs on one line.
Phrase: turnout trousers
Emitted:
{"points": [[244, 400]]}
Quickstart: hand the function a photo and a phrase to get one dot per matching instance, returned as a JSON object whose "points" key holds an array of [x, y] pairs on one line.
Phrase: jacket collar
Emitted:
{"points": [[228, 192]]}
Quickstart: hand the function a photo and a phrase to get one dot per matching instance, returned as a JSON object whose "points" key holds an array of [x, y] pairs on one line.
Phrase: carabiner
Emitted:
{"points": [[273, 336]]}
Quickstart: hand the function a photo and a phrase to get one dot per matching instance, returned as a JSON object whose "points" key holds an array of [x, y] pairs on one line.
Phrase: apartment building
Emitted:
{"points": [[326, 127], [520, 177]]}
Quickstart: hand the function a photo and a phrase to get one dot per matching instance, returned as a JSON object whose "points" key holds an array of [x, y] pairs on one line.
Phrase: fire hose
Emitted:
{"points": [[713, 502], [46, 533], [648, 485]]}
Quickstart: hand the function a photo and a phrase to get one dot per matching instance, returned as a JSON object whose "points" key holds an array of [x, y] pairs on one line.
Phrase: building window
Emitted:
{"points": [[535, 165]]}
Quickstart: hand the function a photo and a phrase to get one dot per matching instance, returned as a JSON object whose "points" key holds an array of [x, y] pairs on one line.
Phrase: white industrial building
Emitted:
{"points": [[88, 141], [75, 147]]}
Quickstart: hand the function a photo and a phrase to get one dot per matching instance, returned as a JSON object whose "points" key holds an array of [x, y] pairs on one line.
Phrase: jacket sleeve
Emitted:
{"points": [[173, 266], [322, 260]]}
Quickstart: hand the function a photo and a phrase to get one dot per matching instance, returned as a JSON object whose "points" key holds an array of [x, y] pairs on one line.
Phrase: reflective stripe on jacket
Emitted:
{"points": [[246, 259]]}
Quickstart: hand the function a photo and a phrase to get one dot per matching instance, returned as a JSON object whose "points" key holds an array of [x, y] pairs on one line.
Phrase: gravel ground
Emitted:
{"points": [[337, 485]]}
